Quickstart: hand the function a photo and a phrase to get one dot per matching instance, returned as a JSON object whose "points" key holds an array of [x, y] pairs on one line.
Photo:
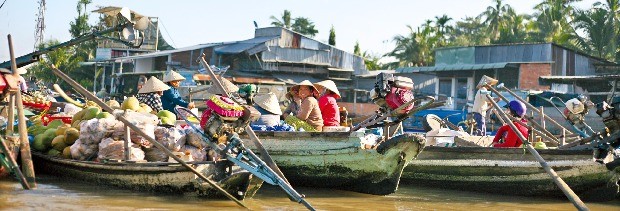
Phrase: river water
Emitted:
{"points": [[54, 193]]}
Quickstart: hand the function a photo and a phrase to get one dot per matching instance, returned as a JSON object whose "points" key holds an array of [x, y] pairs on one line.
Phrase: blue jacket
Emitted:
{"points": [[171, 99]]}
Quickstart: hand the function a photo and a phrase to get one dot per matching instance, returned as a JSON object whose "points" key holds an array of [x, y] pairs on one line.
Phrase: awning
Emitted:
{"points": [[458, 67], [294, 79], [547, 80]]}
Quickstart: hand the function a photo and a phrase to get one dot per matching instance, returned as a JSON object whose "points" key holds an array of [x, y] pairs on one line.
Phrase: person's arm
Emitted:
{"points": [[304, 112], [174, 98], [500, 133]]}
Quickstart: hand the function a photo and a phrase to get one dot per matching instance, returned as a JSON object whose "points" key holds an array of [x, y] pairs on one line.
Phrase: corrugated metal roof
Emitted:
{"points": [[374, 73], [241, 46], [167, 52], [546, 80], [457, 67], [294, 79]]}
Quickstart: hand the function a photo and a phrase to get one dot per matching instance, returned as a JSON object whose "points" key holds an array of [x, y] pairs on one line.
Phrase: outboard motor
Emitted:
{"points": [[611, 119], [391, 92]]}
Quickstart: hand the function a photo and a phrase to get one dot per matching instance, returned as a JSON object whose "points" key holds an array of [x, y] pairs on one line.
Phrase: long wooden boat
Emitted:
{"points": [[153, 176], [512, 171], [340, 160]]}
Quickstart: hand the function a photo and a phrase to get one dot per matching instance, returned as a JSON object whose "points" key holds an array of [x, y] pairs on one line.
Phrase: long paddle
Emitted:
{"points": [[135, 128], [554, 176]]}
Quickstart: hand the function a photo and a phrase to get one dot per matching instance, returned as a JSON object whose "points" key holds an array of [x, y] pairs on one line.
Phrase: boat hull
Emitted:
{"points": [[337, 160], [152, 177], [512, 171]]}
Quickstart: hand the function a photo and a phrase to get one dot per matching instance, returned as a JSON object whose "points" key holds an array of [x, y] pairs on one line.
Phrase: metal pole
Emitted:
{"points": [[136, 129], [542, 117], [554, 176], [530, 106]]}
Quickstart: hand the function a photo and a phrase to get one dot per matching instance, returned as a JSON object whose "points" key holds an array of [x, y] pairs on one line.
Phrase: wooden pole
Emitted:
{"points": [[136, 129], [554, 176], [127, 145], [26, 158], [11, 115], [8, 153], [542, 118]]}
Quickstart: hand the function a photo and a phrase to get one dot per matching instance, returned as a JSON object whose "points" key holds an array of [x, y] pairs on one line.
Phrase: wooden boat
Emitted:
{"points": [[512, 171], [13, 145], [152, 176], [340, 160]]}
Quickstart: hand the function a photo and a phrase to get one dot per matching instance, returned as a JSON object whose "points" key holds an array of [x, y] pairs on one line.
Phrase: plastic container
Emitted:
{"points": [[48, 118]]}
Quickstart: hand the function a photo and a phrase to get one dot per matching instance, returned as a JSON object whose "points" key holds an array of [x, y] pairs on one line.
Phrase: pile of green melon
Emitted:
{"points": [[57, 139]]}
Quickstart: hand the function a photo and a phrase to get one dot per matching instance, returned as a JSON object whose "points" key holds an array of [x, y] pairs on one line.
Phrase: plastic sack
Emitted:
{"points": [[171, 138], [155, 154], [111, 149], [192, 138], [197, 154]]}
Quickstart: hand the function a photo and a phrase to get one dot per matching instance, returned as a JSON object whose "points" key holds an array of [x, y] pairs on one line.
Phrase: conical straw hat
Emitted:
{"points": [[486, 80], [153, 85], [229, 86], [331, 86], [268, 102], [304, 83], [173, 76]]}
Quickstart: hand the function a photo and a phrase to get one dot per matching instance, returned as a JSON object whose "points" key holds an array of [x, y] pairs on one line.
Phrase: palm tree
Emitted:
{"points": [[414, 49], [598, 29], [613, 9], [553, 19], [304, 26], [469, 31], [494, 18], [514, 29], [285, 22]]}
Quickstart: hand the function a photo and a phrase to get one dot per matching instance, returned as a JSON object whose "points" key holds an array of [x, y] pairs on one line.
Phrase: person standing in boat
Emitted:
{"points": [[269, 109], [328, 105], [517, 110], [482, 105], [171, 97], [151, 92], [309, 117]]}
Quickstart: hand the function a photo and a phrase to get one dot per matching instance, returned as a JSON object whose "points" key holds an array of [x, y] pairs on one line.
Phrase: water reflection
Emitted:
{"points": [[57, 194]]}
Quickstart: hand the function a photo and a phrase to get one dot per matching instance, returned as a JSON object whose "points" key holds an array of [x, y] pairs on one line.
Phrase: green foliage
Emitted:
{"points": [[356, 49], [285, 22], [332, 36], [304, 26]]}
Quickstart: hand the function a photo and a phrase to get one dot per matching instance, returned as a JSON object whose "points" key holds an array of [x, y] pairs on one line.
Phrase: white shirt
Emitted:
{"points": [[480, 102]]}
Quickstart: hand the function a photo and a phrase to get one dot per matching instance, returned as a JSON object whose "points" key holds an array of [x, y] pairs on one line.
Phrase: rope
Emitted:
{"points": [[2, 4]]}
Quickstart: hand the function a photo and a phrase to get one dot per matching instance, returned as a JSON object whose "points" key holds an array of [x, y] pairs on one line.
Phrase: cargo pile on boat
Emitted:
{"points": [[93, 135]]}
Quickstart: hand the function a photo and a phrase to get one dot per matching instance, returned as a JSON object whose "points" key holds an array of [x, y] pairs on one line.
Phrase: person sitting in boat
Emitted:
{"points": [[269, 109], [150, 93], [171, 97], [309, 117], [294, 103], [327, 103], [517, 110]]}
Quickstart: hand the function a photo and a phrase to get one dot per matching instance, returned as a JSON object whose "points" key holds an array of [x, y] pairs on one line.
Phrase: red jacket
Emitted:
{"points": [[511, 139], [329, 110]]}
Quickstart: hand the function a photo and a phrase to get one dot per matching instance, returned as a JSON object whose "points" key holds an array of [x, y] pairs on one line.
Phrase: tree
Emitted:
{"points": [[552, 23], [63, 58], [468, 32], [332, 36], [514, 30], [304, 26], [598, 30], [285, 22], [494, 18], [371, 61], [79, 27], [414, 49], [356, 49]]}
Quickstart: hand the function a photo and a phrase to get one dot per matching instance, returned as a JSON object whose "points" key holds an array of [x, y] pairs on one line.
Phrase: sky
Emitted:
{"points": [[372, 23]]}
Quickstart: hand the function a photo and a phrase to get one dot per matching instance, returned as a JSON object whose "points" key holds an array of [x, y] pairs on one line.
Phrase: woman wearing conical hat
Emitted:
{"points": [[269, 108], [150, 93], [309, 110], [171, 97], [327, 102]]}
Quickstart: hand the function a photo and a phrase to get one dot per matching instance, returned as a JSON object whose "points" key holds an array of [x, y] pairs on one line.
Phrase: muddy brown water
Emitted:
{"points": [[54, 193]]}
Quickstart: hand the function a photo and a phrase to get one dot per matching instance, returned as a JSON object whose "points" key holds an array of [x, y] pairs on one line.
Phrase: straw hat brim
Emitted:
{"points": [[153, 85], [173, 76], [268, 102], [229, 86], [304, 83], [331, 86]]}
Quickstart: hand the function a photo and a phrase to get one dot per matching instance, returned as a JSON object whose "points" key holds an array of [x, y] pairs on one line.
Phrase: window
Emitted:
{"points": [[445, 89]]}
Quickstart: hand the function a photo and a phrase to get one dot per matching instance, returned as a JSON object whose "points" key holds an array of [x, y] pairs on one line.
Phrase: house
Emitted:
{"points": [[519, 66], [274, 55]]}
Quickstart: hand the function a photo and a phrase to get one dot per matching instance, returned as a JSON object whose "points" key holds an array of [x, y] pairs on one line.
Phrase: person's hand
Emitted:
{"points": [[191, 105]]}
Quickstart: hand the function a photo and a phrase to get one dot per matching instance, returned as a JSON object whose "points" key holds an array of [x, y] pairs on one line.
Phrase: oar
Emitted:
{"points": [[554, 176], [259, 146], [135, 128]]}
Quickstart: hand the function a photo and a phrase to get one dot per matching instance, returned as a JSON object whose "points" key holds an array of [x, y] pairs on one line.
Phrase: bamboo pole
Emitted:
{"points": [[554, 176], [24, 144], [135, 128], [11, 116], [127, 154], [13, 164]]}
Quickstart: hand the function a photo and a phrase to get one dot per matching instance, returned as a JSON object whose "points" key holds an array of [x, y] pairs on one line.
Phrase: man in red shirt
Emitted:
{"points": [[327, 103], [510, 137]]}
